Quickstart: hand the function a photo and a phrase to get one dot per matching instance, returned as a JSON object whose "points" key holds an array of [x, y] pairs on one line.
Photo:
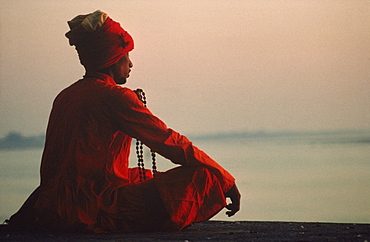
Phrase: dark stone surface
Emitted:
{"points": [[216, 231]]}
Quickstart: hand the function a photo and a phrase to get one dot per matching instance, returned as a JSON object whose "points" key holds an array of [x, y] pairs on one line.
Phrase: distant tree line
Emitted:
{"points": [[14, 140]]}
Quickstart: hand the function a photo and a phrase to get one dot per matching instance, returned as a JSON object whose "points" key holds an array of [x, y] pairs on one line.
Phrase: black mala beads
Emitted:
{"points": [[139, 146]]}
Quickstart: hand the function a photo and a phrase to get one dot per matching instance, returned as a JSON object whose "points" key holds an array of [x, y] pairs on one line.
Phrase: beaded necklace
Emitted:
{"points": [[139, 146]]}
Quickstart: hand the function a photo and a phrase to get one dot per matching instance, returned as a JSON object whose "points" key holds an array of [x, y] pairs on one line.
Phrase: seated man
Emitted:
{"points": [[85, 180]]}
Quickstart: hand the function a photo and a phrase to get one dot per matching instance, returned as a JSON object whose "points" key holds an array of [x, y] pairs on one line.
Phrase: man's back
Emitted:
{"points": [[81, 136]]}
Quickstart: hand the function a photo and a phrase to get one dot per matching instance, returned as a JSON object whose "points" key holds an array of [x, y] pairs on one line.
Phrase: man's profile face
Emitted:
{"points": [[121, 70]]}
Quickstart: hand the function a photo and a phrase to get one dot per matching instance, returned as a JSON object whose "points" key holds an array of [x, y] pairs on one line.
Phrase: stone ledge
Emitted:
{"points": [[216, 231]]}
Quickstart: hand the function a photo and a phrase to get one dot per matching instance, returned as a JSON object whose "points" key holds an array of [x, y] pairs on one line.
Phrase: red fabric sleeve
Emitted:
{"points": [[138, 122]]}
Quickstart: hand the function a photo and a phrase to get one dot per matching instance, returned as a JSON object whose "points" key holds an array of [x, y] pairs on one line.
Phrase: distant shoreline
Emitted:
{"points": [[16, 141]]}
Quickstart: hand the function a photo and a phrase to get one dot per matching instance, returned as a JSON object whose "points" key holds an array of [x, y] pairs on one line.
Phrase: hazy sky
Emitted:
{"points": [[206, 66]]}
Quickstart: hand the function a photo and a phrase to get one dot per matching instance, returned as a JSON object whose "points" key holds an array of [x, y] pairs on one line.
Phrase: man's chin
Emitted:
{"points": [[121, 81]]}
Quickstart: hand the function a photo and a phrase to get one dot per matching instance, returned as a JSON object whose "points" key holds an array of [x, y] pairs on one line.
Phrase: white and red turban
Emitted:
{"points": [[99, 41]]}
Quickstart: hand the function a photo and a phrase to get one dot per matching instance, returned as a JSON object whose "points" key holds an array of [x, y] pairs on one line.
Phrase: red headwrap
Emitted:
{"points": [[100, 43]]}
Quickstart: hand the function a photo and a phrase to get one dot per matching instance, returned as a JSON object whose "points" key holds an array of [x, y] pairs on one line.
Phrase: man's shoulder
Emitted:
{"points": [[95, 86], [102, 81], [123, 95], [124, 92]]}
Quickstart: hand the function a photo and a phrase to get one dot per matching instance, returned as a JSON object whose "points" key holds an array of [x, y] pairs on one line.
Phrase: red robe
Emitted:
{"points": [[85, 178]]}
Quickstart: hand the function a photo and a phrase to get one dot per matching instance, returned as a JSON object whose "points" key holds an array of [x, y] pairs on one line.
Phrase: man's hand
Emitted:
{"points": [[139, 93], [235, 196]]}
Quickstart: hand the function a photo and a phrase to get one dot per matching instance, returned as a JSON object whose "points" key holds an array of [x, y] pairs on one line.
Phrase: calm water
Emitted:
{"points": [[324, 178]]}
